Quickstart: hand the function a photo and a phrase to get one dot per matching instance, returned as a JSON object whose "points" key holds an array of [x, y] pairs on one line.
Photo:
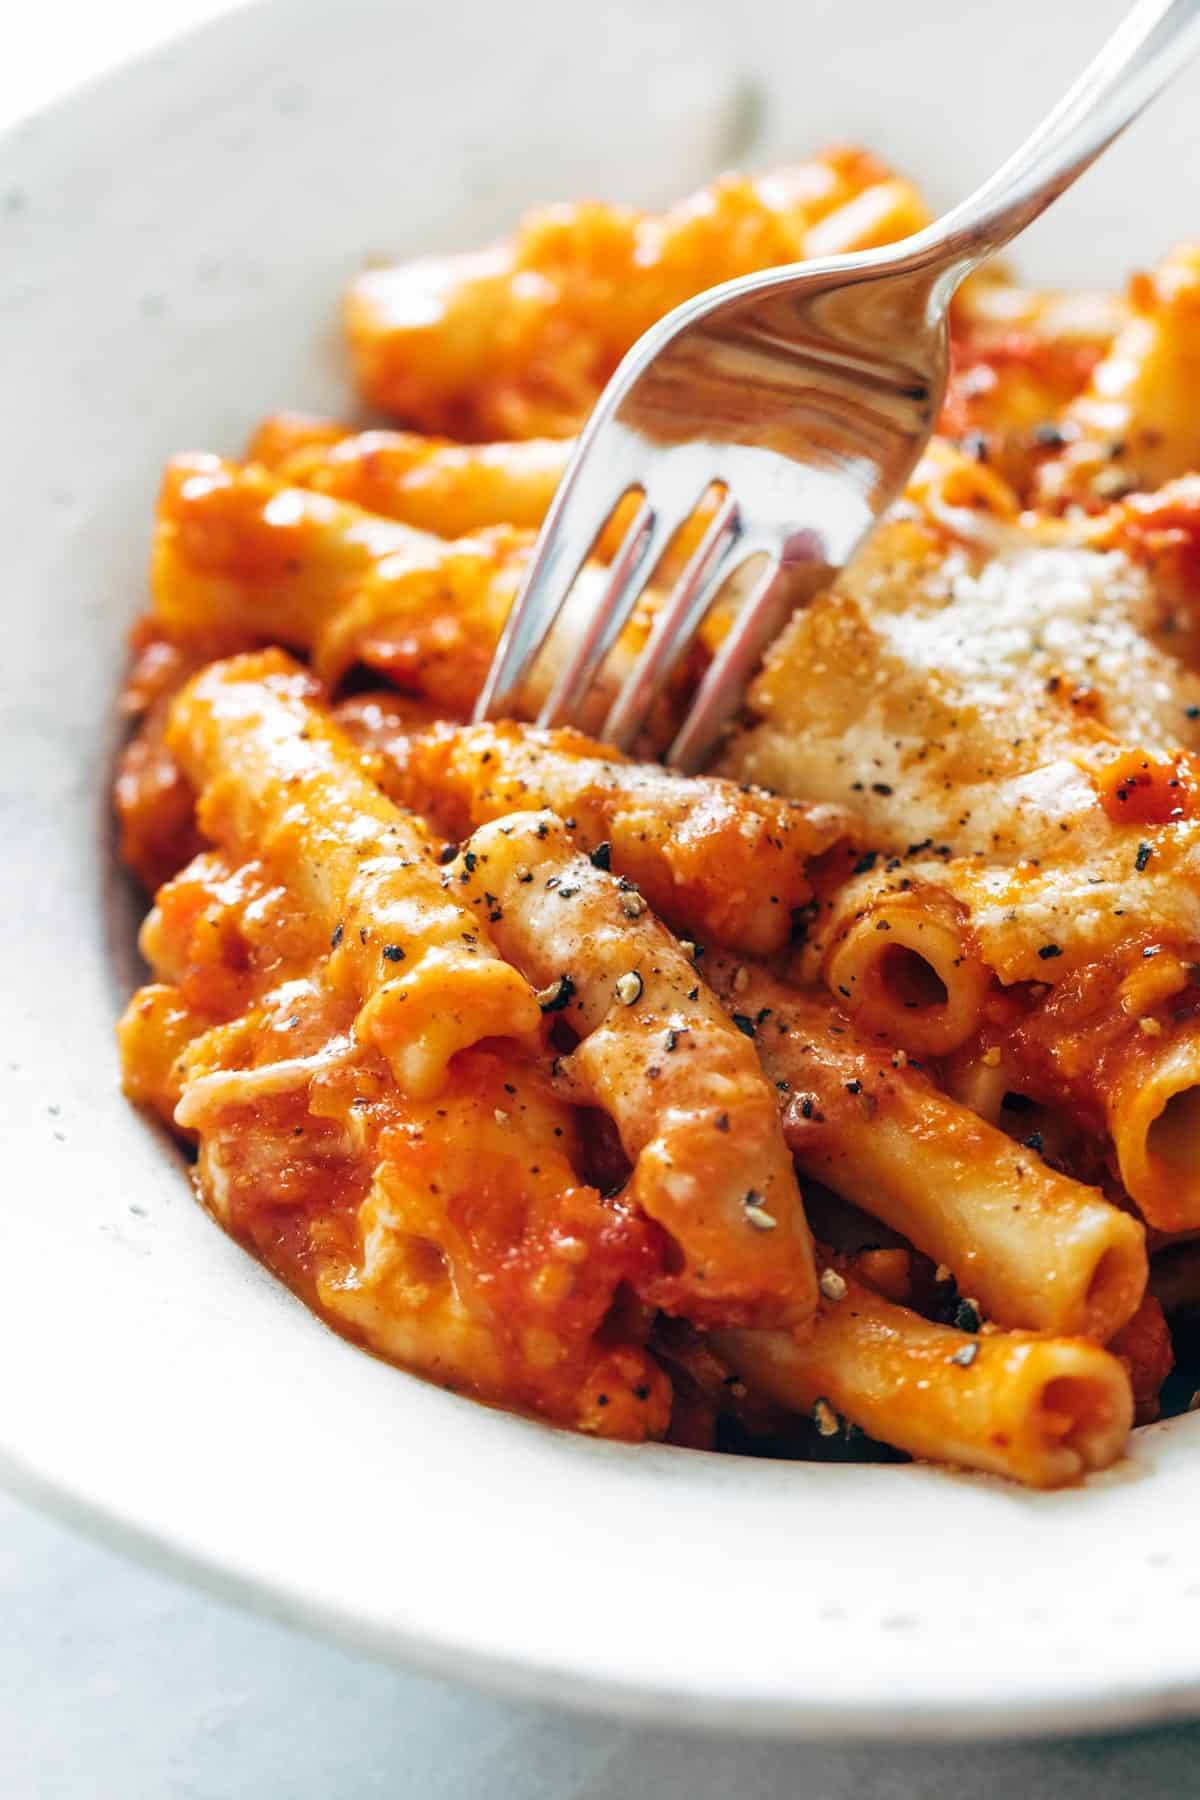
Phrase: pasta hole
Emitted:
{"points": [[1071, 1408], [910, 981], [1174, 1137]]}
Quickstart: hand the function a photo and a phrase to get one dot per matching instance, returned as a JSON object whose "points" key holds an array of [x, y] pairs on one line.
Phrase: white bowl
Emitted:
{"points": [[172, 245]]}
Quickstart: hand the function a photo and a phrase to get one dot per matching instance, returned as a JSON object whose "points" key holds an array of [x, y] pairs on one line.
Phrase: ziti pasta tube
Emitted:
{"points": [[155, 1029], [1153, 1106], [902, 957], [1134, 426], [727, 863], [239, 560], [278, 780], [1035, 1248], [1114, 1048], [517, 341], [437, 485], [696, 1116], [1043, 1410], [431, 483], [1020, 356], [225, 931]]}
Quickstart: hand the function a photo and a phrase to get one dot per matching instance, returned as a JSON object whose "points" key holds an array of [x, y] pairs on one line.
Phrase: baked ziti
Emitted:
{"points": [[842, 1101]]}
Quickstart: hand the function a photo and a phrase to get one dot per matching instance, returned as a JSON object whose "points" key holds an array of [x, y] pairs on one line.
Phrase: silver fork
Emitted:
{"points": [[807, 393]]}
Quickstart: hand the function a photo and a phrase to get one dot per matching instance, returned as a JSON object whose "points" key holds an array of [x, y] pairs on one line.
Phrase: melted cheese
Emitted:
{"points": [[948, 701]]}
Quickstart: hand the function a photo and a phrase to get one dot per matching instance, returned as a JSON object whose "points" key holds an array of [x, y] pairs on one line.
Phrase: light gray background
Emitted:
{"points": [[117, 1684]]}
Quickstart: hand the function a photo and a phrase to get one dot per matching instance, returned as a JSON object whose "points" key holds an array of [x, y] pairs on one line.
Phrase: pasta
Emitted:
{"points": [[1133, 427], [902, 956], [1110, 1045], [1020, 357], [695, 1112], [437, 485], [432, 484], [731, 864], [1034, 1248], [843, 1100], [416, 1225], [517, 341], [240, 560], [1044, 1410], [275, 776]]}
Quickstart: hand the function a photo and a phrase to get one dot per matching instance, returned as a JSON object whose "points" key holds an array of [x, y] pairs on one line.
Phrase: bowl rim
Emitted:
{"points": [[1092, 1709]]}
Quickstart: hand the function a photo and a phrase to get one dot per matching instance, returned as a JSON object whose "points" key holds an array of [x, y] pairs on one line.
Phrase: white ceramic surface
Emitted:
{"points": [[171, 246]]}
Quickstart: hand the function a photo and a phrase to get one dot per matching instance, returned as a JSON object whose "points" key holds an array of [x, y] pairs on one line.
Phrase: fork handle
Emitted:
{"points": [[1148, 48]]}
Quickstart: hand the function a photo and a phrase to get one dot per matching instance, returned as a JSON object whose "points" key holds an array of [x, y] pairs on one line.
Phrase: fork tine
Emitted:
{"points": [[553, 568], [675, 625], [764, 613], [580, 509], [632, 567]]}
